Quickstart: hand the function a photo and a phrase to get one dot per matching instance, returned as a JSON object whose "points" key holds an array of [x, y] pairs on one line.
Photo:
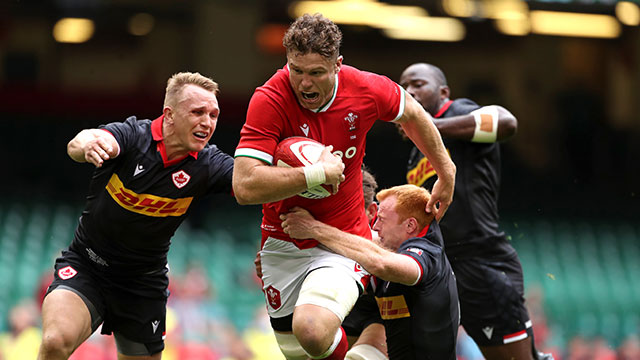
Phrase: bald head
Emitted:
{"points": [[427, 70], [427, 84]]}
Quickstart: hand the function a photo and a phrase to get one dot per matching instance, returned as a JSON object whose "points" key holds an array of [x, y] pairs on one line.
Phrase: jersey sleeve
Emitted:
{"points": [[220, 171], [388, 96], [126, 133], [261, 132], [427, 260]]}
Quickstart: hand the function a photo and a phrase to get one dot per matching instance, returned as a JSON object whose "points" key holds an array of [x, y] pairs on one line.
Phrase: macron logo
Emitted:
{"points": [[139, 169], [155, 324], [488, 331], [305, 129]]}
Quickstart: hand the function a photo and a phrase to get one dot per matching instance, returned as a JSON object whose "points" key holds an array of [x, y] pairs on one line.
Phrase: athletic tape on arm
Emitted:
{"points": [[486, 130], [314, 175]]}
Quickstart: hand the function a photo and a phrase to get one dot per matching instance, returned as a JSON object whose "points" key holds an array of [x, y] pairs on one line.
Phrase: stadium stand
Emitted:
{"points": [[587, 271]]}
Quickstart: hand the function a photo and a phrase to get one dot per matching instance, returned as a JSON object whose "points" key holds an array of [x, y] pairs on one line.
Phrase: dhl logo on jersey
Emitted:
{"points": [[421, 172], [146, 204], [393, 307]]}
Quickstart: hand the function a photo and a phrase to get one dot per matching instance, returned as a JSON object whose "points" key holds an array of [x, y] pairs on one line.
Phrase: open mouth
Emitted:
{"points": [[311, 96], [200, 135]]}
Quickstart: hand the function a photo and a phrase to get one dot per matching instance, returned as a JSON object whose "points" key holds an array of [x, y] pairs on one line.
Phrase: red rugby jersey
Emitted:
{"points": [[359, 99]]}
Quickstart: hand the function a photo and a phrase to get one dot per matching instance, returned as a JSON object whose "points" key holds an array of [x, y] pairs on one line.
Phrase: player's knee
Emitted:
{"points": [[313, 335], [55, 345], [290, 347], [326, 297], [365, 352]]}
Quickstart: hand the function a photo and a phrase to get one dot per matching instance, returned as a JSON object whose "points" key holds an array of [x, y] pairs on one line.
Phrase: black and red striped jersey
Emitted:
{"points": [[470, 226], [137, 200]]}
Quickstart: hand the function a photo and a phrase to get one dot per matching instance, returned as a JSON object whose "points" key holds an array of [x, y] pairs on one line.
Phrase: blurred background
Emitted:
{"points": [[568, 69]]}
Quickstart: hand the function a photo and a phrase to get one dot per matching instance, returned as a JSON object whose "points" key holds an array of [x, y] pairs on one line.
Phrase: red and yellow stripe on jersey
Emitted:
{"points": [[146, 204], [393, 307], [421, 172]]}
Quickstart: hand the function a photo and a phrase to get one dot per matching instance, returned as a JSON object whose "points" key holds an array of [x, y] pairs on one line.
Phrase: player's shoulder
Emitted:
{"points": [[278, 81], [137, 130], [277, 89], [421, 243], [132, 123], [431, 241], [212, 152], [461, 106], [356, 77]]}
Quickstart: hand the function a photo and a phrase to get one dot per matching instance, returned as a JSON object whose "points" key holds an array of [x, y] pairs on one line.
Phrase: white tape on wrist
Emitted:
{"points": [[314, 175], [486, 130]]}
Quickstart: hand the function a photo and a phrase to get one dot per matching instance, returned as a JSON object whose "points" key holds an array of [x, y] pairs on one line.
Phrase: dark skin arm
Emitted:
{"points": [[462, 127]]}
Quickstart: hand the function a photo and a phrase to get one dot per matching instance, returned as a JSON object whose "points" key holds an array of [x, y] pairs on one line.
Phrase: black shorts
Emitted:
{"points": [[491, 293], [122, 304], [364, 313]]}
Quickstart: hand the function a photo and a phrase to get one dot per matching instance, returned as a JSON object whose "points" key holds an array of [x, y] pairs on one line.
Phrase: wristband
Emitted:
{"points": [[486, 130], [314, 175]]}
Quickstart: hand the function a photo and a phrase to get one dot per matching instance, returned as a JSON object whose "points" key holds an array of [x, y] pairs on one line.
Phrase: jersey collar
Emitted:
{"points": [[326, 106], [424, 231], [443, 109], [156, 132]]}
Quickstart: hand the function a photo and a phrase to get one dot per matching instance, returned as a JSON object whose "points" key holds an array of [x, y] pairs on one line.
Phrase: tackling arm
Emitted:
{"points": [[464, 127], [94, 146], [386, 265], [419, 127]]}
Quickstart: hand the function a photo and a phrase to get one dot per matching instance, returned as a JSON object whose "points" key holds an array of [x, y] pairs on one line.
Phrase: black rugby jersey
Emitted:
{"points": [[137, 200], [470, 226], [421, 321]]}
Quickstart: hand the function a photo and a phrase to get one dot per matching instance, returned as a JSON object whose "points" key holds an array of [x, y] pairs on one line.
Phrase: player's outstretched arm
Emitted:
{"points": [[256, 182], [386, 265], [93, 146], [419, 127], [487, 124]]}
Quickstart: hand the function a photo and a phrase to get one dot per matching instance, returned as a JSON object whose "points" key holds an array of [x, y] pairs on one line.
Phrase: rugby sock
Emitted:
{"points": [[340, 346]]}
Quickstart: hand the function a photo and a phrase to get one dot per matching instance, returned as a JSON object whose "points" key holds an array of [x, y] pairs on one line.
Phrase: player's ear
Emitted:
{"points": [[445, 92], [168, 114], [339, 63], [411, 225], [372, 209]]}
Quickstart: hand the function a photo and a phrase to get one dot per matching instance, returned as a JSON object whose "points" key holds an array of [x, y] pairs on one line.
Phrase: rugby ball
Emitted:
{"points": [[299, 151]]}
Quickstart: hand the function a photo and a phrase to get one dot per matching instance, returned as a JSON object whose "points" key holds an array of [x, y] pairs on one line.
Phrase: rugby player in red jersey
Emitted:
{"points": [[308, 289]]}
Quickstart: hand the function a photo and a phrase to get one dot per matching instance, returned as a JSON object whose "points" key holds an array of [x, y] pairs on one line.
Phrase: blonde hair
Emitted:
{"points": [[411, 202], [178, 81]]}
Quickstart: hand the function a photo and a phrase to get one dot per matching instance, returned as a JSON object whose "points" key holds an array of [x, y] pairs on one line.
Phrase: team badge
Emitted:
{"points": [[415, 250], [352, 121], [180, 179], [357, 268], [67, 273], [273, 297]]}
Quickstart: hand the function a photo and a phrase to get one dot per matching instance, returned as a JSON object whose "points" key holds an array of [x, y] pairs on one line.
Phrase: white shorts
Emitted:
{"points": [[285, 267]]}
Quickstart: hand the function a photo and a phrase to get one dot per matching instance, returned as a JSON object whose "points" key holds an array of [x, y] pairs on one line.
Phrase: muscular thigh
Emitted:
{"points": [[492, 300], [285, 268], [74, 275], [72, 307]]}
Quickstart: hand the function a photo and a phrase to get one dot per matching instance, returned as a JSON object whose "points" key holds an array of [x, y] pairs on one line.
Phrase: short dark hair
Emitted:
{"points": [[369, 186], [313, 34]]}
